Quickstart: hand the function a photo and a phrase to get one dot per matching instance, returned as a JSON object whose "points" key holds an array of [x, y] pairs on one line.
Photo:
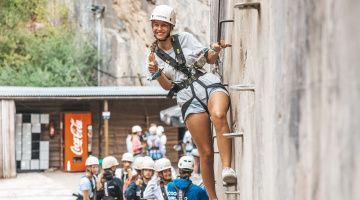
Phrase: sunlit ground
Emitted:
{"points": [[40, 186]]}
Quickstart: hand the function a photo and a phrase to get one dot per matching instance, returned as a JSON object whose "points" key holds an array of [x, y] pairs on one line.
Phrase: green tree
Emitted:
{"points": [[50, 56]]}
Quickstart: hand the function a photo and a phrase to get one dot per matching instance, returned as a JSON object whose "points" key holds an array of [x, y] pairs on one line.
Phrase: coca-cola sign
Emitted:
{"points": [[76, 129]]}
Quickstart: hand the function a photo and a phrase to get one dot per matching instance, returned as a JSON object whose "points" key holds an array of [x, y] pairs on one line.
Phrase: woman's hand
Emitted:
{"points": [[219, 45], [153, 67]]}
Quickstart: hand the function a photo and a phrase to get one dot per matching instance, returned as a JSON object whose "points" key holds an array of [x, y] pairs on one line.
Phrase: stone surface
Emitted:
{"points": [[301, 123]]}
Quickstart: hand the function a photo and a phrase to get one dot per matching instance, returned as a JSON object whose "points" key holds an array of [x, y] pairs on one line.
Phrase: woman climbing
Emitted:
{"points": [[176, 62]]}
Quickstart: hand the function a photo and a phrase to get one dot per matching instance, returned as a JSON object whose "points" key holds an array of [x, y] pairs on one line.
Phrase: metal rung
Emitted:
{"points": [[255, 5], [233, 135], [232, 192], [241, 87]]}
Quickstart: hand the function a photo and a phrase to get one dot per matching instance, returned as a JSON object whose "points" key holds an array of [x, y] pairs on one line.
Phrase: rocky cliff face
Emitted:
{"points": [[122, 32]]}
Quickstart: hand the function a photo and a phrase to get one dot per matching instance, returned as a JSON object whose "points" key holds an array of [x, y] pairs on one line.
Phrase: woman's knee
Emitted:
{"points": [[218, 117], [207, 155]]}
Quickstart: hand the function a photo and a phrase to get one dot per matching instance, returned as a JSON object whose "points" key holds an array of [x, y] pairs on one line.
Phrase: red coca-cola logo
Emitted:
{"points": [[77, 132]]}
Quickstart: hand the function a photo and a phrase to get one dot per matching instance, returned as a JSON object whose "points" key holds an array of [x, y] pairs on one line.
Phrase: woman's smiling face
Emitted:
{"points": [[161, 29]]}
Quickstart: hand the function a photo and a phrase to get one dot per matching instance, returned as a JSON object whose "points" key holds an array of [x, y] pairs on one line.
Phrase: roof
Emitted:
{"points": [[101, 92]]}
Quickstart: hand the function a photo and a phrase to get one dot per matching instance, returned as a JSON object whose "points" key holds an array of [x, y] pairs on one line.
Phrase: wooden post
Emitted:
{"points": [[106, 130]]}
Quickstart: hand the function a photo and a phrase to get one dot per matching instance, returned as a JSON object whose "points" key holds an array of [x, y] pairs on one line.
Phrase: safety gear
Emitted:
{"points": [[159, 130], [229, 175], [109, 161], [136, 129], [179, 64], [186, 162], [127, 157], [164, 13], [147, 163], [162, 164], [91, 160], [138, 163], [152, 130]]}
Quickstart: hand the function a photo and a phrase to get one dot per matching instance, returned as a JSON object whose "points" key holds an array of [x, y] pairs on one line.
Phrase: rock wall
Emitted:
{"points": [[300, 125], [123, 33]]}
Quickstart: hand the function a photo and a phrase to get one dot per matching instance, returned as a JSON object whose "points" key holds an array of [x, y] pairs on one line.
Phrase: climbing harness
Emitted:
{"points": [[179, 64]]}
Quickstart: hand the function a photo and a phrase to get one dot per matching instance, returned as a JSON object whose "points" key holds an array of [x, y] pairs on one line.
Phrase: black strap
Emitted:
{"points": [[180, 61], [163, 191]]}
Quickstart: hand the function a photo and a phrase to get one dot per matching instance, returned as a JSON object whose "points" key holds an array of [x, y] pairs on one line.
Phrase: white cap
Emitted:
{"points": [[160, 130], [147, 163], [91, 160], [164, 13], [127, 157], [109, 161], [162, 164], [152, 130], [186, 162], [136, 129], [138, 162]]}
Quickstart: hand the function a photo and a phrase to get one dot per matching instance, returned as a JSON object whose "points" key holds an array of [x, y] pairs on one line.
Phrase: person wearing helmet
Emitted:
{"points": [[154, 144], [177, 63], [182, 188], [87, 186], [157, 186], [135, 191], [109, 186], [134, 142], [126, 172], [163, 139]]}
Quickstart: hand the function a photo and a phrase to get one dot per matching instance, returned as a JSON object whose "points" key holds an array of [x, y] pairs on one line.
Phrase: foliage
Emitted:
{"points": [[48, 56]]}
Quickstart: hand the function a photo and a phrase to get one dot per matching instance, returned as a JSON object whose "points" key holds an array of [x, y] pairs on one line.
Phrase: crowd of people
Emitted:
{"points": [[151, 143], [145, 172], [139, 178]]}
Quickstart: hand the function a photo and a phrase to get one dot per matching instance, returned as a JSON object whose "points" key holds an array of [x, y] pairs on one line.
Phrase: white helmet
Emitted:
{"points": [[164, 13], [195, 152], [137, 163], [127, 157], [109, 161], [186, 162], [162, 164], [148, 163], [136, 129], [91, 160], [152, 130], [160, 130]]}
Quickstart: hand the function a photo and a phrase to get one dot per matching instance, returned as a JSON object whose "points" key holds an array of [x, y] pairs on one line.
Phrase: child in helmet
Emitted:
{"points": [[125, 173], [157, 187], [135, 191], [154, 144], [135, 142], [109, 186], [182, 188], [87, 186]]}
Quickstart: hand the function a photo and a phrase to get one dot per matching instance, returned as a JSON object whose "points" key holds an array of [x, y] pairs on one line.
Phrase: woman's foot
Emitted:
{"points": [[229, 176]]}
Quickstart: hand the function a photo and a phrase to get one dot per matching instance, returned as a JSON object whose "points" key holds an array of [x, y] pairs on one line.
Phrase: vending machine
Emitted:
{"points": [[76, 140]]}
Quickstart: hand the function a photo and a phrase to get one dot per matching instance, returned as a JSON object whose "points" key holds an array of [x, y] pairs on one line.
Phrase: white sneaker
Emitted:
{"points": [[229, 176]]}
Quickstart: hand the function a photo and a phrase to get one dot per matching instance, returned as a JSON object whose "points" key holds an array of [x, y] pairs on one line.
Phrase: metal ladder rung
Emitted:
{"points": [[233, 135], [242, 87], [247, 5]]}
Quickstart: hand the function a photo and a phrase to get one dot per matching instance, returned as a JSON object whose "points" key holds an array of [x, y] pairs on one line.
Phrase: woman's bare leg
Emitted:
{"points": [[199, 127], [218, 106]]}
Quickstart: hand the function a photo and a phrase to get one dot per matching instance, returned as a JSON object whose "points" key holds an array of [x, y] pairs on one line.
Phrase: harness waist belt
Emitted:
{"points": [[176, 87]]}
